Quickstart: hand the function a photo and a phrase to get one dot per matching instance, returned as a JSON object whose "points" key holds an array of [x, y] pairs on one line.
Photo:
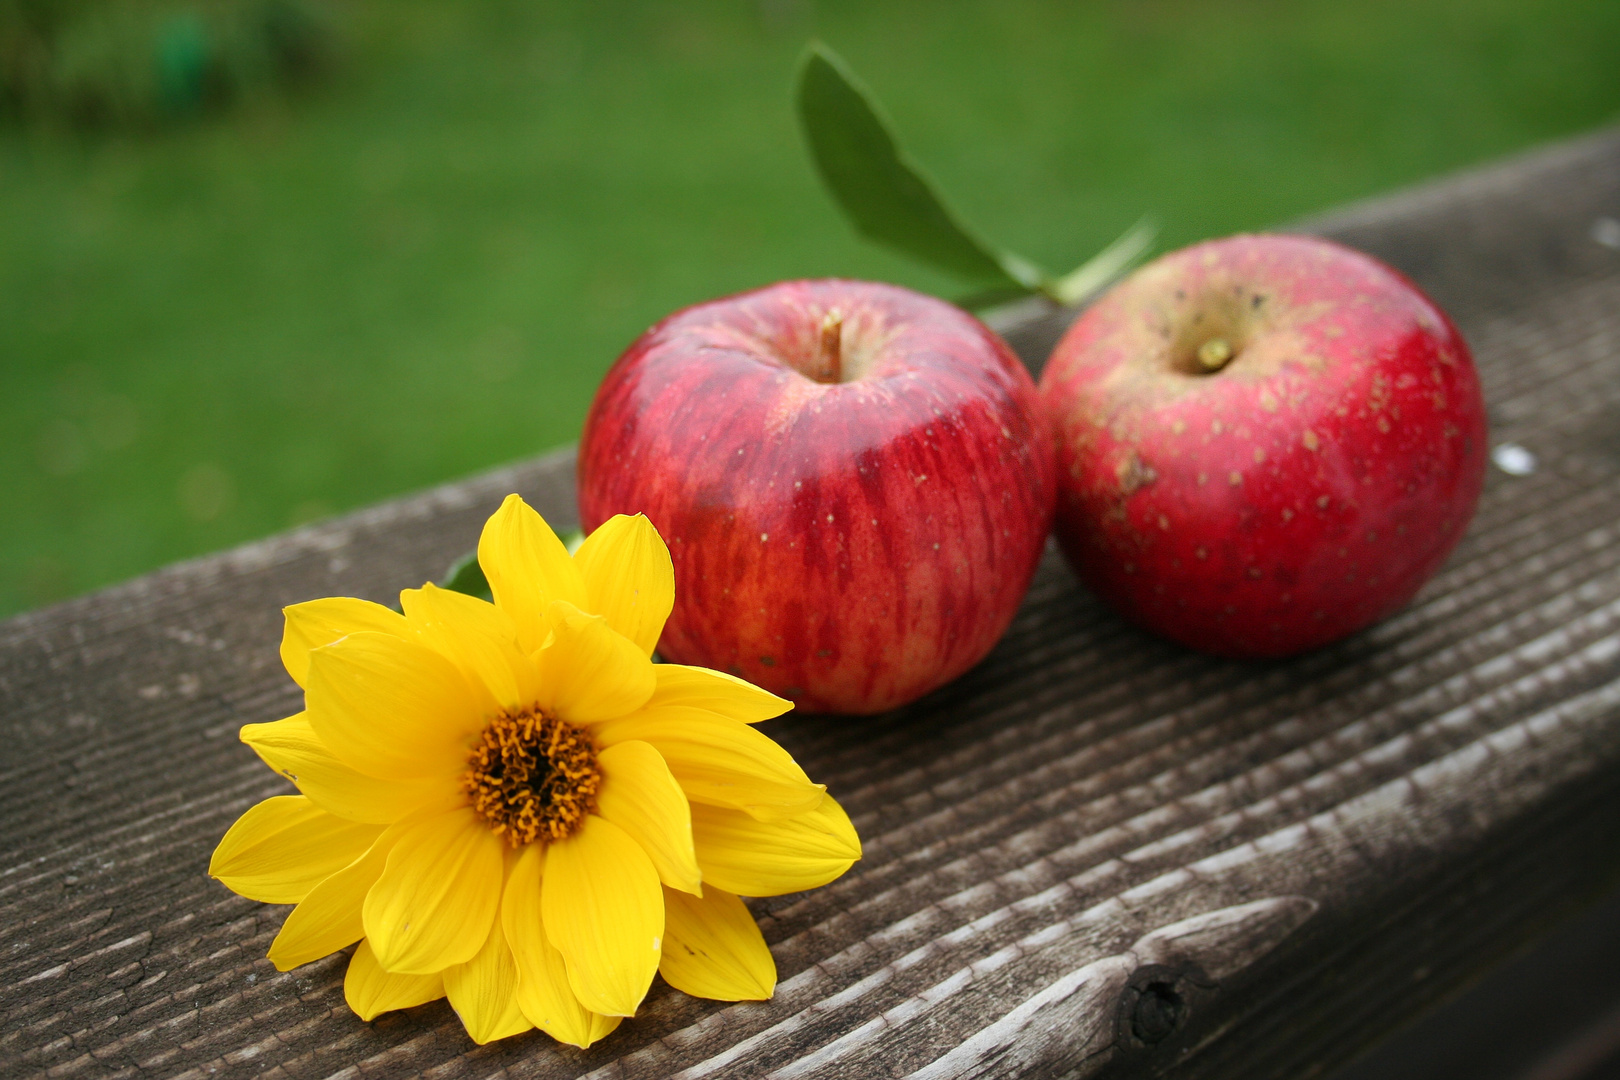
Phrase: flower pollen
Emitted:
{"points": [[532, 777]]}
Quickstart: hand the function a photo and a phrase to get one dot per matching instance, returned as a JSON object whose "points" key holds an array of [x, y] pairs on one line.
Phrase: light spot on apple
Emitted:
{"points": [[1177, 427], [1268, 401], [1383, 424], [1310, 440], [919, 478], [1133, 473], [764, 537], [1215, 427], [1254, 572], [1322, 502], [1201, 553], [1164, 523], [1259, 454], [1234, 478]]}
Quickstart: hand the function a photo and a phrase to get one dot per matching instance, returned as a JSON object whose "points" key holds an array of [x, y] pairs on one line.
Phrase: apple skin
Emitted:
{"points": [[850, 545], [1305, 490]]}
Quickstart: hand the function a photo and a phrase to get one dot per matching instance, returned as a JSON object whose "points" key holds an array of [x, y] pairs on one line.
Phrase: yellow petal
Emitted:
{"points": [[483, 991], [641, 796], [391, 708], [528, 568], [629, 579], [713, 948], [478, 636], [543, 992], [370, 990], [292, 748], [589, 671], [719, 761], [701, 688], [284, 846], [321, 622], [329, 917], [604, 911], [767, 858], [437, 895]]}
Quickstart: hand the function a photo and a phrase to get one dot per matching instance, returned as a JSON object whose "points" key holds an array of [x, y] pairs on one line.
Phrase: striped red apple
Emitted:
{"points": [[851, 478]]}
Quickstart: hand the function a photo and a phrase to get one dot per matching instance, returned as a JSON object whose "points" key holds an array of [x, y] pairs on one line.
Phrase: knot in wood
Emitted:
{"points": [[1157, 1004], [1157, 1012]]}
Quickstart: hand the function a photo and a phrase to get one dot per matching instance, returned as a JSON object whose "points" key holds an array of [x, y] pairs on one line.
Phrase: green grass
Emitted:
{"points": [[422, 269]]}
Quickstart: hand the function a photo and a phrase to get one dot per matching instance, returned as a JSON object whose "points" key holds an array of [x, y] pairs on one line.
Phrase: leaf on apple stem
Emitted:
{"points": [[1100, 271], [882, 190], [889, 198]]}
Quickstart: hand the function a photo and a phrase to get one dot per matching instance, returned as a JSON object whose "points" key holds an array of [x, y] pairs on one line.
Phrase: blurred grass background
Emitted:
{"points": [[214, 329]]}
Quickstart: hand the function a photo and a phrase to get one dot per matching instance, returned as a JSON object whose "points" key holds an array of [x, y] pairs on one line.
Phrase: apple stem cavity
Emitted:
{"points": [[832, 347], [1214, 354]]}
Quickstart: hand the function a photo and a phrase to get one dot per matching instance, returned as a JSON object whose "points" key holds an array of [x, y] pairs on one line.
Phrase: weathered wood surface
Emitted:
{"points": [[1095, 852]]}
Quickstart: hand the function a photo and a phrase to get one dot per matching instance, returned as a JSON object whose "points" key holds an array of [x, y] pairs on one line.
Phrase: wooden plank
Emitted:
{"points": [[1096, 851]]}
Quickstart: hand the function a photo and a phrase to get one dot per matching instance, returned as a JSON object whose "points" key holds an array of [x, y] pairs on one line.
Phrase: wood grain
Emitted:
{"points": [[1096, 852]]}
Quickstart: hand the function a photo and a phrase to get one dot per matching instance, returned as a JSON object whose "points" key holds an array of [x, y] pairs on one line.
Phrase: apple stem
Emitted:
{"points": [[832, 342], [1214, 354]]}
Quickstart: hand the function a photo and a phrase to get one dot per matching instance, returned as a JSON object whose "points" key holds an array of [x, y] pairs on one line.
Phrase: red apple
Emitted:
{"points": [[851, 477], [1265, 443]]}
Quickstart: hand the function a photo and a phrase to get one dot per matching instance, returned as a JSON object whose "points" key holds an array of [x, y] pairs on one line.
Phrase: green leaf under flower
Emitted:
{"points": [[467, 576]]}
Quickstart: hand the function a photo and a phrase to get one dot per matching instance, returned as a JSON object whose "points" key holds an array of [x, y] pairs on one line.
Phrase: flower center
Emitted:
{"points": [[532, 777]]}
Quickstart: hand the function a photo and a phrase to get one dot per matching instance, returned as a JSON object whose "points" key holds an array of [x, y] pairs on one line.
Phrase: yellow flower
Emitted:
{"points": [[511, 805]]}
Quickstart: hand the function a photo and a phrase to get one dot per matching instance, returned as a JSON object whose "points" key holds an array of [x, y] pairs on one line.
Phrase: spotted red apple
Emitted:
{"points": [[1265, 443], [851, 477]]}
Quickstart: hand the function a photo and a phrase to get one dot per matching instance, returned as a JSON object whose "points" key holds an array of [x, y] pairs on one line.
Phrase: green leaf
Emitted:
{"points": [[1099, 271], [467, 576], [882, 190]]}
